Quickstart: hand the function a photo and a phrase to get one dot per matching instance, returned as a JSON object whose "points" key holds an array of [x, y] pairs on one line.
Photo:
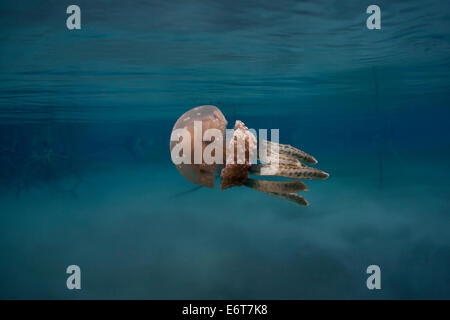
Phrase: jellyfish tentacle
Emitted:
{"points": [[293, 152], [294, 197], [283, 159], [288, 171], [276, 186]]}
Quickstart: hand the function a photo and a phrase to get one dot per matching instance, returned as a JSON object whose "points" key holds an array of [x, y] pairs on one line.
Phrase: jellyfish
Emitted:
{"points": [[236, 157]]}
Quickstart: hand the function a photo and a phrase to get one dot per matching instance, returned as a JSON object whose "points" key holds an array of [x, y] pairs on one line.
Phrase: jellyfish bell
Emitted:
{"points": [[210, 117], [234, 154]]}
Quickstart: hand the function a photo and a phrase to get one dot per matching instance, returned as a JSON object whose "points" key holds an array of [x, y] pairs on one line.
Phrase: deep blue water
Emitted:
{"points": [[85, 170]]}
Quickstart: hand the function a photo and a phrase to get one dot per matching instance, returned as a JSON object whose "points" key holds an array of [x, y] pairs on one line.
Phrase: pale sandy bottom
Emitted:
{"points": [[133, 237]]}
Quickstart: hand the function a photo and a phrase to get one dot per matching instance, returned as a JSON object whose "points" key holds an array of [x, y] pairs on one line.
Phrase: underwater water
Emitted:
{"points": [[86, 176]]}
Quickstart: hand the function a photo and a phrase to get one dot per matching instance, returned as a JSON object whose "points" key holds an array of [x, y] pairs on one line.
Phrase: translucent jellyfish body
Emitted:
{"points": [[201, 146], [211, 118]]}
